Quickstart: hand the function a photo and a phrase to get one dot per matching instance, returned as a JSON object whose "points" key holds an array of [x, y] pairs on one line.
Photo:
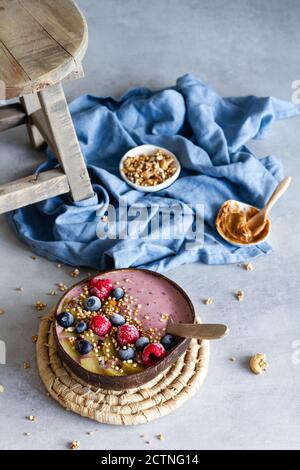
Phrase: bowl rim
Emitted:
{"points": [[122, 381], [150, 189], [236, 243]]}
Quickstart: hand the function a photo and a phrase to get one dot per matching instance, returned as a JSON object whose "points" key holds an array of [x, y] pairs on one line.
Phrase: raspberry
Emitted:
{"points": [[100, 325], [152, 354], [127, 334], [100, 287]]}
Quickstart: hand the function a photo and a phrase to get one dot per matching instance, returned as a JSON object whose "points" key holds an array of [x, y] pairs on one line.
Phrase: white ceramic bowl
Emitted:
{"points": [[148, 150], [244, 207]]}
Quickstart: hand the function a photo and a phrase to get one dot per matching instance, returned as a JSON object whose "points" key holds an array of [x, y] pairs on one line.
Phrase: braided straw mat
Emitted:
{"points": [[157, 398]]}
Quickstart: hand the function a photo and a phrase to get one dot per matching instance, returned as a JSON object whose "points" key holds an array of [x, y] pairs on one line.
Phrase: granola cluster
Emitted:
{"points": [[149, 170]]}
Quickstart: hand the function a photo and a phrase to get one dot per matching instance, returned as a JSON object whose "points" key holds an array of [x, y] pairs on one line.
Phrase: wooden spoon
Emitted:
{"points": [[258, 221], [200, 331]]}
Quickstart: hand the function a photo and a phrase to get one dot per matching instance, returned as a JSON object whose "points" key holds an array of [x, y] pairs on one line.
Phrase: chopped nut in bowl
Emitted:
{"points": [[149, 168]]}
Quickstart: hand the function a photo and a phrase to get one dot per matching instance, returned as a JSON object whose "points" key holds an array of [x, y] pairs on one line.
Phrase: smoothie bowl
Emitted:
{"points": [[110, 329]]}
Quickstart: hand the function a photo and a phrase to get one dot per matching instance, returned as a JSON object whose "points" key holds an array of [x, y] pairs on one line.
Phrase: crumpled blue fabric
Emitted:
{"points": [[207, 133]]}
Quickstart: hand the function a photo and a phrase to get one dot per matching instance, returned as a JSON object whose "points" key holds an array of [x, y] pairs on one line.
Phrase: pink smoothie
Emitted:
{"points": [[156, 295]]}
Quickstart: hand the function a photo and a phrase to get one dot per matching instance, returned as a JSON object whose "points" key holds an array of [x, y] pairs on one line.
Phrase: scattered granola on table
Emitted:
{"points": [[208, 301], [32, 418], [1, 389], [26, 365], [248, 266], [34, 338], [62, 287], [74, 445], [75, 273], [2, 311], [149, 170], [240, 295], [40, 305]]}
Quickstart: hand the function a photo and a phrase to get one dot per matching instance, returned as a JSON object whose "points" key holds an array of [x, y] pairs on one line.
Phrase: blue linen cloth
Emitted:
{"points": [[206, 132]]}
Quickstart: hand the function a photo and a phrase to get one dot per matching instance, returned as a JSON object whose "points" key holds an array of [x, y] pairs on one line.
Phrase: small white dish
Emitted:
{"points": [[244, 207], [149, 150]]}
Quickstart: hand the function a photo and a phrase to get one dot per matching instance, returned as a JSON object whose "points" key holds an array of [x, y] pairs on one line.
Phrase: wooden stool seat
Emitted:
{"points": [[41, 43]]}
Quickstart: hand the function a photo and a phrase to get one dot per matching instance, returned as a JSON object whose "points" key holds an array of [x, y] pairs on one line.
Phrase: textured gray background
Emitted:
{"points": [[239, 48]]}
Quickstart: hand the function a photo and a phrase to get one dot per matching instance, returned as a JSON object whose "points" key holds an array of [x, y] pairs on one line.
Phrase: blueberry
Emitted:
{"points": [[81, 327], [117, 320], [84, 347], [117, 293], [92, 303], [141, 343], [168, 341], [126, 354], [65, 319]]}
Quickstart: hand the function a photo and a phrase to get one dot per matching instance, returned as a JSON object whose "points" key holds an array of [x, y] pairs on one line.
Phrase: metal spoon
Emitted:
{"points": [[258, 221], [200, 331]]}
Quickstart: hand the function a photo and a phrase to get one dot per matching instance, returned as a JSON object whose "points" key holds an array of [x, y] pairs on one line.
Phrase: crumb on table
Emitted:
{"points": [[62, 287], [240, 295], [32, 418], [248, 266], [74, 445], [40, 305], [75, 273]]}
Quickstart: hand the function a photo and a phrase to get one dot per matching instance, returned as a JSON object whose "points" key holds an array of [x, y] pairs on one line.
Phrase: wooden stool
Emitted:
{"points": [[42, 43]]}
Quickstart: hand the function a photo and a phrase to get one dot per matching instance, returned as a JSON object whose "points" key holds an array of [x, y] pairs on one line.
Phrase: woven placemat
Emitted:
{"points": [[153, 400]]}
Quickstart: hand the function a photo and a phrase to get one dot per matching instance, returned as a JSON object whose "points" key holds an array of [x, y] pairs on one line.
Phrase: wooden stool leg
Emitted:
{"points": [[55, 107], [31, 104]]}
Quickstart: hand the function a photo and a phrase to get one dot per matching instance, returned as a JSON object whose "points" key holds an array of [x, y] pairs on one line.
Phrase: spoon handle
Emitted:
{"points": [[281, 188], [200, 331]]}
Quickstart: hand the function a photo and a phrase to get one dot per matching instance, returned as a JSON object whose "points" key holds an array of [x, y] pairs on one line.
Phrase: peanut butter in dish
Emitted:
{"points": [[232, 224]]}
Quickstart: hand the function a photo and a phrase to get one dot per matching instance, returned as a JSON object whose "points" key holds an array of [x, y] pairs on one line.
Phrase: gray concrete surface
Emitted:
{"points": [[240, 48]]}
